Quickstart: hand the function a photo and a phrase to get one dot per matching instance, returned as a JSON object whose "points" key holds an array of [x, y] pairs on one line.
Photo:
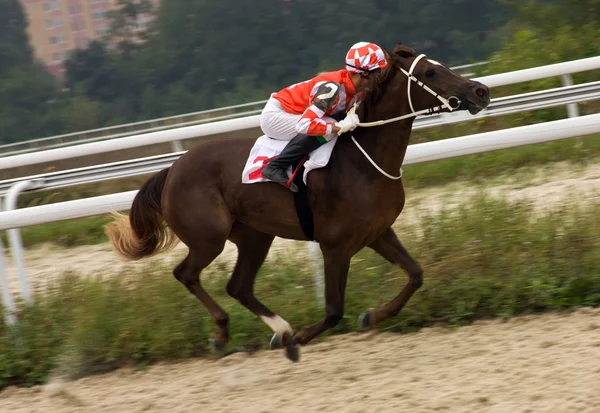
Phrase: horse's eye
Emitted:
{"points": [[430, 73]]}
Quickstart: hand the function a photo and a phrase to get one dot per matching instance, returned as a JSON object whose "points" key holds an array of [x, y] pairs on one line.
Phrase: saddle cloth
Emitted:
{"points": [[266, 147]]}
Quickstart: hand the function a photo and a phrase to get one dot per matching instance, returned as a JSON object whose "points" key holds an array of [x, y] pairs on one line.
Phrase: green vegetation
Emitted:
{"points": [[486, 258], [83, 231]]}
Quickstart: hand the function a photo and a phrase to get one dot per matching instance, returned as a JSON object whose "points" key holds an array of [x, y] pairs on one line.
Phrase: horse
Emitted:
{"points": [[201, 201]]}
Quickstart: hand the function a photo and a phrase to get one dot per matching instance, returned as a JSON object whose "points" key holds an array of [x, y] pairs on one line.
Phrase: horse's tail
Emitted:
{"points": [[144, 232]]}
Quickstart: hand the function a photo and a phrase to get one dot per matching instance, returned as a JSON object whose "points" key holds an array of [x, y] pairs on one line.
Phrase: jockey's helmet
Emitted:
{"points": [[365, 57]]}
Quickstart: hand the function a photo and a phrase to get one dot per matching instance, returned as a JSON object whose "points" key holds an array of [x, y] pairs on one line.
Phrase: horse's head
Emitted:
{"points": [[428, 84]]}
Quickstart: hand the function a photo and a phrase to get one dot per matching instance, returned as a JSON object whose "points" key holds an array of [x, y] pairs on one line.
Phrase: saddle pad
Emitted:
{"points": [[266, 147]]}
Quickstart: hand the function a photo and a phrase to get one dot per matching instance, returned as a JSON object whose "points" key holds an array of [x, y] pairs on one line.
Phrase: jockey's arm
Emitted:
{"points": [[311, 122]]}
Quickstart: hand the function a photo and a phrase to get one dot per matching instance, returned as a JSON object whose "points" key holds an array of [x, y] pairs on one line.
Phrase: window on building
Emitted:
{"points": [[59, 56], [81, 43], [101, 31], [75, 8], [51, 5], [61, 38], [54, 22], [99, 15], [77, 24]]}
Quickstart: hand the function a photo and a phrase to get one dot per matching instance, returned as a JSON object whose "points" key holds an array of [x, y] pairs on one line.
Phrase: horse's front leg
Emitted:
{"points": [[336, 265], [390, 248]]}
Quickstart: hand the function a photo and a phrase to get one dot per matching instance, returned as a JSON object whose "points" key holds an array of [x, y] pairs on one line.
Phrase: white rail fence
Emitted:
{"points": [[13, 219]]}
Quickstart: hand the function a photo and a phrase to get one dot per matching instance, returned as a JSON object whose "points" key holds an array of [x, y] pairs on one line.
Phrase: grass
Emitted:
{"points": [[488, 166], [487, 258], [83, 231]]}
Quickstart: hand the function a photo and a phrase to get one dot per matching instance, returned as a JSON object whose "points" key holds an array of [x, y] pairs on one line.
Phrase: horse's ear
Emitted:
{"points": [[404, 51], [387, 53]]}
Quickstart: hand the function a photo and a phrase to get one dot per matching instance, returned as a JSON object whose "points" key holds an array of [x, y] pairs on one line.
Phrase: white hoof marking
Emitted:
{"points": [[277, 324]]}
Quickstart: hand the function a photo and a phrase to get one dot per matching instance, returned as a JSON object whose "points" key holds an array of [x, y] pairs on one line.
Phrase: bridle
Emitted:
{"points": [[452, 103]]}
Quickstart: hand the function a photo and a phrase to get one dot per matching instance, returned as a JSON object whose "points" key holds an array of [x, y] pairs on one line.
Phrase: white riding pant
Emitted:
{"points": [[278, 124]]}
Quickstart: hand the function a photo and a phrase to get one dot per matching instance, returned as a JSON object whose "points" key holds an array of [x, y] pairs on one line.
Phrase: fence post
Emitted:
{"points": [[177, 146], [14, 235], [572, 108], [7, 301], [317, 264]]}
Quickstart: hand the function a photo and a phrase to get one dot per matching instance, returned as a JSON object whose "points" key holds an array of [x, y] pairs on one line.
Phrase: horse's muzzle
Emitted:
{"points": [[478, 98]]}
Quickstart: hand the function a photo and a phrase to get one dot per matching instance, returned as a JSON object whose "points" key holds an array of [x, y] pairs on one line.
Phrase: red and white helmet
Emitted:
{"points": [[364, 57]]}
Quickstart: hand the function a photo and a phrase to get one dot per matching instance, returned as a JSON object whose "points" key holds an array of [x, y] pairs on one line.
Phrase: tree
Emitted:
{"points": [[14, 42], [550, 31], [548, 16], [93, 69], [80, 113], [29, 104], [128, 25], [29, 97]]}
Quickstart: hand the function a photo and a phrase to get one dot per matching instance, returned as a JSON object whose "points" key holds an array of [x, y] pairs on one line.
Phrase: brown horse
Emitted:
{"points": [[201, 200]]}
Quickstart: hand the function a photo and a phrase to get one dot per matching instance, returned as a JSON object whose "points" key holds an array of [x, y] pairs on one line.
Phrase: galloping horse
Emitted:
{"points": [[201, 201]]}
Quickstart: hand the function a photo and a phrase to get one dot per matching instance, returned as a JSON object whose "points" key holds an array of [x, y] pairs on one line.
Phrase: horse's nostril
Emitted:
{"points": [[480, 92]]}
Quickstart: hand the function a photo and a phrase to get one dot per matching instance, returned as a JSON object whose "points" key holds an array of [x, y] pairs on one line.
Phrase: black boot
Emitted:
{"points": [[293, 152]]}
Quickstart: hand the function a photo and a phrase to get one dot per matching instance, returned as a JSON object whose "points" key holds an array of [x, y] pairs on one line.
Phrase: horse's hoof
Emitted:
{"points": [[366, 320], [285, 341], [218, 346], [281, 340], [293, 352]]}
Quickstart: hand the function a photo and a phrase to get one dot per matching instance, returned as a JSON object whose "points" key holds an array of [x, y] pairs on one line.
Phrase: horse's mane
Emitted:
{"points": [[381, 79]]}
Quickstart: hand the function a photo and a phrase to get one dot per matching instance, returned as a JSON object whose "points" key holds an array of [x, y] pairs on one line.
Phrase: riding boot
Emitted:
{"points": [[294, 151]]}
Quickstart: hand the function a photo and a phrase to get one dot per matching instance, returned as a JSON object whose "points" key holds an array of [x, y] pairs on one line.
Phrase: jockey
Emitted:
{"points": [[304, 113]]}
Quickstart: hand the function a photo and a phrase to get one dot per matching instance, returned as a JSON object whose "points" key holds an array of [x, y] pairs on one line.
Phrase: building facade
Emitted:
{"points": [[56, 27]]}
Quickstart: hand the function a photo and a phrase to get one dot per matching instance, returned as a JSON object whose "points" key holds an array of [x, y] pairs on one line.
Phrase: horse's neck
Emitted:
{"points": [[385, 144]]}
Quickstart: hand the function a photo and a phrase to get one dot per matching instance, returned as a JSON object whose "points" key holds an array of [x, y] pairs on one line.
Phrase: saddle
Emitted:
{"points": [[266, 148]]}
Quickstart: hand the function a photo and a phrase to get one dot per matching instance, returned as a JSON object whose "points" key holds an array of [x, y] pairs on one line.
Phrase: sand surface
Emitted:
{"points": [[544, 363]]}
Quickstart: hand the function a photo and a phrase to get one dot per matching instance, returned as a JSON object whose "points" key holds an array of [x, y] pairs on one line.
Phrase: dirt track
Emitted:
{"points": [[546, 363]]}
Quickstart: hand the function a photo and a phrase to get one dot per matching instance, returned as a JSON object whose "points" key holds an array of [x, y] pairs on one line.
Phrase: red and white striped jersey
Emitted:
{"points": [[324, 95]]}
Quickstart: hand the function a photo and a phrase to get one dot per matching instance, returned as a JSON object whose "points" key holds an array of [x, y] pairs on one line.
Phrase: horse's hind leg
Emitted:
{"points": [[253, 247], [202, 221], [188, 273], [390, 248]]}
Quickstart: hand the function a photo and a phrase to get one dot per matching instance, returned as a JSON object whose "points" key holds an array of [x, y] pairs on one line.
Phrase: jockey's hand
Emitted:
{"points": [[349, 123]]}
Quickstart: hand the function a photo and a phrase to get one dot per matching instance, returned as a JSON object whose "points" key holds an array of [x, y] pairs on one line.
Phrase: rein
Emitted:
{"points": [[429, 111]]}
